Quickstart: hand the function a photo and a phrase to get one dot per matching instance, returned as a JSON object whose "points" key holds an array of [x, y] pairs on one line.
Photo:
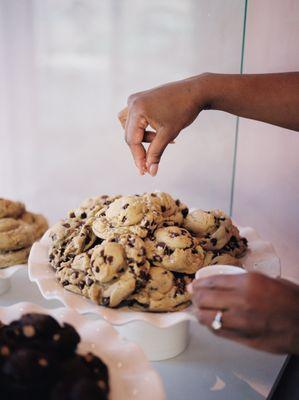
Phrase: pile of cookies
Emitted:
{"points": [[19, 229], [38, 360], [140, 251]]}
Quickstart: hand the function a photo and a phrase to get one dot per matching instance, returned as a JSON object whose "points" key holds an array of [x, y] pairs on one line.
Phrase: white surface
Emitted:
{"points": [[130, 374], [6, 274], [267, 185], [210, 368]]}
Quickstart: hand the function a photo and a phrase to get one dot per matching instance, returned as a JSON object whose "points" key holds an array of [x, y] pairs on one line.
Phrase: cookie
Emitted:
{"points": [[200, 222], [14, 257], [118, 291], [163, 292], [79, 282], [89, 207], [212, 258], [15, 234], [70, 237], [172, 211], [40, 332], [124, 215], [214, 228], [37, 221], [107, 261], [133, 245], [11, 209], [175, 249]]}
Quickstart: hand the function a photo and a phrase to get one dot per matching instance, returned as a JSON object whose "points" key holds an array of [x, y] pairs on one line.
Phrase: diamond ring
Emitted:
{"points": [[217, 322]]}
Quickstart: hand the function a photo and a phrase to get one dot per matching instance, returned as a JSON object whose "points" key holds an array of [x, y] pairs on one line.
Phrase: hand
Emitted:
{"points": [[258, 311], [167, 109]]}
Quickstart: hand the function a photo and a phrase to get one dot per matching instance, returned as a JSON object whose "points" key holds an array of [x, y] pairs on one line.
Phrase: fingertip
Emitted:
{"points": [[153, 169], [190, 288]]}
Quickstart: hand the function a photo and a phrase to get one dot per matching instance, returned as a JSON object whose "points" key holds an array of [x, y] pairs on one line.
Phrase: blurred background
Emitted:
{"points": [[68, 66]]}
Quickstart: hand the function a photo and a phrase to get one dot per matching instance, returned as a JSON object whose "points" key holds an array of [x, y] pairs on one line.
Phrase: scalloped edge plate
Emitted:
{"points": [[260, 257], [8, 272], [131, 375]]}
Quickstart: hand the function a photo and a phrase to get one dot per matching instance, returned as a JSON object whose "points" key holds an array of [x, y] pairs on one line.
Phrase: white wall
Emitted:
{"points": [[68, 67], [267, 175]]}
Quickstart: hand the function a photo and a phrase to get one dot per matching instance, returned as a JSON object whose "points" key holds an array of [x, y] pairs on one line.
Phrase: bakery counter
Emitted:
{"points": [[210, 367]]}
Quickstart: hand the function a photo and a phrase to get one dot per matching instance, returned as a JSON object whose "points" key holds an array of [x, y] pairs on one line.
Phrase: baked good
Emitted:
{"points": [[15, 234], [38, 360], [140, 250], [18, 230], [128, 214], [164, 291], [175, 249], [14, 257], [89, 207], [11, 209], [214, 228]]}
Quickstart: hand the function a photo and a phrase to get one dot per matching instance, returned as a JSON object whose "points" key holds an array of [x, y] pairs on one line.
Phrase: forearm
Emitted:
{"points": [[271, 98]]}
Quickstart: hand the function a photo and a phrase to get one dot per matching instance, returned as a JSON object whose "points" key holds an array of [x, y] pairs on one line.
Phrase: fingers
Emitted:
{"points": [[155, 151], [122, 116], [134, 132], [232, 320], [215, 299]]}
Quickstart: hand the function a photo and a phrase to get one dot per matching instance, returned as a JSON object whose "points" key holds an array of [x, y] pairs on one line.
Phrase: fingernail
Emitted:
{"points": [[153, 169], [190, 288]]}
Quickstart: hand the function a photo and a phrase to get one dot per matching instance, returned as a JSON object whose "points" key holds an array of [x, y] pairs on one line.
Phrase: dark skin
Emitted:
{"points": [[258, 311]]}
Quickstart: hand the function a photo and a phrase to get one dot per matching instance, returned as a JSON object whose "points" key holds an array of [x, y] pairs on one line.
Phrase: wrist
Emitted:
{"points": [[204, 86]]}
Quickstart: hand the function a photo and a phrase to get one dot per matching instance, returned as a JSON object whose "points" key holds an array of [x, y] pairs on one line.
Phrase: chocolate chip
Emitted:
{"points": [[89, 281], [105, 301], [65, 283], [173, 234], [130, 260], [72, 215], [126, 206], [203, 242], [102, 253], [66, 225], [83, 215], [214, 241], [153, 195], [185, 212], [245, 241], [177, 202], [124, 219], [163, 208], [157, 258], [161, 244], [97, 269], [110, 259], [168, 251], [81, 285]]}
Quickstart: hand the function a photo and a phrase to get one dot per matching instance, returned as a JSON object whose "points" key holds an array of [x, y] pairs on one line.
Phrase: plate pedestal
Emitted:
{"points": [[157, 343]]}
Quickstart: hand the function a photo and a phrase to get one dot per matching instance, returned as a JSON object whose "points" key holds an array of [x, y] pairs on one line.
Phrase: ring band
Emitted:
{"points": [[217, 322]]}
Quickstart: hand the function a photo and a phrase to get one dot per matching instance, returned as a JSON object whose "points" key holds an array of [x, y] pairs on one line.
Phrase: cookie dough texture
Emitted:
{"points": [[19, 229], [11, 209], [163, 292], [175, 249], [140, 250]]}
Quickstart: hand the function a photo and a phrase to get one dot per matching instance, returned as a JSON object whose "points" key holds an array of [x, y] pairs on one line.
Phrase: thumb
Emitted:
{"points": [[156, 149]]}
